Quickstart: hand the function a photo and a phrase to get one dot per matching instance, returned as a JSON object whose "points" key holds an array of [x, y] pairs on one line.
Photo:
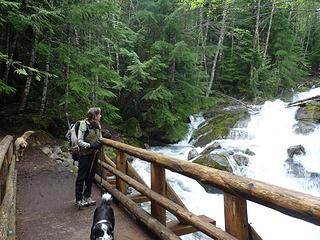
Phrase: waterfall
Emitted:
{"points": [[268, 135]]}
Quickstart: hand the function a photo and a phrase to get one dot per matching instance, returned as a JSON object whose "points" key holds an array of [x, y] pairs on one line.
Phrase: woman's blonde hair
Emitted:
{"points": [[92, 113]]}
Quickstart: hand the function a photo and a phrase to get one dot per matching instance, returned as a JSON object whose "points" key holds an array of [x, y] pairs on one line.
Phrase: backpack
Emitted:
{"points": [[72, 137]]}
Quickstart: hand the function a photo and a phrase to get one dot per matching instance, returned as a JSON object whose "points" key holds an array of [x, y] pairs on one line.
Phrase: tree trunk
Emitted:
{"points": [[66, 74], [256, 40], [220, 42], [117, 61], [269, 30], [10, 56], [45, 85], [307, 43], [256, 47], [29, 78], [205, 37]]}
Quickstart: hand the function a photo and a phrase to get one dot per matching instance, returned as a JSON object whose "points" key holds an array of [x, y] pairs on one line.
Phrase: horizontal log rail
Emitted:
{"points": [[4, 147], [174, 208], [8, 182], [289, 202]]}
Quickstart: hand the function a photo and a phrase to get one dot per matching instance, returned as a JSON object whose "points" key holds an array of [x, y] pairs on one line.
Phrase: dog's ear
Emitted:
{"points": [[96, 233]]}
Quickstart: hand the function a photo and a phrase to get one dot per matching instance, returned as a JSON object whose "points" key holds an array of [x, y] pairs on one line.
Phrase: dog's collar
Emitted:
{"points": [[101, 221]]}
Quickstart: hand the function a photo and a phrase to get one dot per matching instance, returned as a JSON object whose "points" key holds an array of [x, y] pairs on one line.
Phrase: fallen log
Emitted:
{"points": [[303, 101]]}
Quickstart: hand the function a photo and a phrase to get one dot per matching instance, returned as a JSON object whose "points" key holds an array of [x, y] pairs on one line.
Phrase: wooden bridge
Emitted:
{"points": [[117, 174]]}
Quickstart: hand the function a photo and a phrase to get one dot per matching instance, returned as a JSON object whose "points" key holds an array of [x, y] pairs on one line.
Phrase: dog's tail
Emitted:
{"points": [[27, 134], [106, 199]]}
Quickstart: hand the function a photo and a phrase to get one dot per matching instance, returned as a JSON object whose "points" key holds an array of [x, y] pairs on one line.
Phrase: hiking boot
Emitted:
{"points": [[90, 201], [82, 203]]}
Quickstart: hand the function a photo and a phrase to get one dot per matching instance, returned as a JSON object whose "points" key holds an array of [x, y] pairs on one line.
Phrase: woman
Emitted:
{"points": [[89, 136]]}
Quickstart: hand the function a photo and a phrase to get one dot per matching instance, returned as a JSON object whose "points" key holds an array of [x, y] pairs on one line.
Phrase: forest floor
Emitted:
{"points": [[45, 204]]}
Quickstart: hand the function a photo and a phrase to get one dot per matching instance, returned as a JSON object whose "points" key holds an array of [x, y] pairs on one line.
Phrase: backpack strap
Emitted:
{"points": [[86, 133]]}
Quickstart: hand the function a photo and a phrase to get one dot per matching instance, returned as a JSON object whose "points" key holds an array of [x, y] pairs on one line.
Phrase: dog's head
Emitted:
{"points": [[102, 231], [23, 145]]}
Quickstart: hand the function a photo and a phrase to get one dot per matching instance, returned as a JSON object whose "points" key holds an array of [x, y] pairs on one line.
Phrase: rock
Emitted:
{"points": [[67, 155], [217, 161], [296, 150], [54, 156], [212, 147], [66, 163], [249, 152], [217, 127], [304, 128], [192, 154], [57, 150], [295, 168], [309, 113], [241, 160], [46, 150]]}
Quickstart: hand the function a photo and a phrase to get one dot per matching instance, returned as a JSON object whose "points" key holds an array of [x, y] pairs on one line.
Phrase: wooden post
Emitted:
{"points": [[122, 167], [236, 218], [158, 184]]}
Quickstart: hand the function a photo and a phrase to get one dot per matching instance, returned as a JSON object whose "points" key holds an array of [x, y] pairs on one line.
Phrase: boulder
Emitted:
{"points": [[217, 161], [241, 159], [296, 150], [309, 113], [212, 147], [295, 168], [192, 154], [249, 152], [304, 128], [218, 126]]}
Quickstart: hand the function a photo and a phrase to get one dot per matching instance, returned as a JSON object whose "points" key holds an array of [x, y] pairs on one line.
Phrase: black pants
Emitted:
{"points": [[85, 176]]}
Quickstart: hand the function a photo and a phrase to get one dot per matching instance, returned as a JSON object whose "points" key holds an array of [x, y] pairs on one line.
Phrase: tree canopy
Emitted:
{"points": [[157, 61]]}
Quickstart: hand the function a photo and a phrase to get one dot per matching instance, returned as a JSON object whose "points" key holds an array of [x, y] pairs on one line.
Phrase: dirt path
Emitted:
{"points": [[45, 204]]}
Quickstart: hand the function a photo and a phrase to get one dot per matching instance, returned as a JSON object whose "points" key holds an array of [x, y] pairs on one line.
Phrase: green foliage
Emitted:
{"points": [[152, 60]]}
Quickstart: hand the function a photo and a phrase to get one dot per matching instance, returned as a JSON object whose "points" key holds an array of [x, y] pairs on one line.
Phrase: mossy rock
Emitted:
{"points": [[216, 161], [309, 113], [217, 127], [132, 128]]}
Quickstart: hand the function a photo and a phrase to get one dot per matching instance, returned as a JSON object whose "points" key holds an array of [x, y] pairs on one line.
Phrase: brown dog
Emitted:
{"points": [[21, 144]]}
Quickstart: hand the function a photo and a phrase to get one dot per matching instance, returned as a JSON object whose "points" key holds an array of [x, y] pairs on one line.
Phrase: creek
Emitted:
{"points": [[268, 135]]}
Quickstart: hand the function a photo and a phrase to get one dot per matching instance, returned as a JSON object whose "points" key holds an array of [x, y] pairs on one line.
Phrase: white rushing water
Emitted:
{"points": [[269, 134]]}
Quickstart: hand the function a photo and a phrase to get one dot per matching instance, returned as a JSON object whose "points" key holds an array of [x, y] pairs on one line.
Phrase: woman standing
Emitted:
{"points": [[89, 136]]}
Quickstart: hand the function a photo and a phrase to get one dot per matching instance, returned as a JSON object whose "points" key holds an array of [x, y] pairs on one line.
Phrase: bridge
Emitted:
{"points": [[63, 221]]}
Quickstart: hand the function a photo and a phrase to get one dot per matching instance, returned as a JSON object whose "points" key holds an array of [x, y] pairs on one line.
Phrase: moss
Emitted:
{"points": [[216, 128], [220, 163], [310, 113]]}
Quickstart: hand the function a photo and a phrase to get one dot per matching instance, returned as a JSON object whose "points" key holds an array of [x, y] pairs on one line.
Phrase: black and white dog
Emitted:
{"points": [[103, 220]]}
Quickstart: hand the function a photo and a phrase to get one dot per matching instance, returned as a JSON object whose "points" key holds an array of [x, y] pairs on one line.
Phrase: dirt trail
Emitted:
{"points": [[45, 204]]}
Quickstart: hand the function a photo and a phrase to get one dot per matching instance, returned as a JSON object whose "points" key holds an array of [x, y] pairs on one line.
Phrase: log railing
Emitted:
{"points": [[237, 190], [8, 180]]}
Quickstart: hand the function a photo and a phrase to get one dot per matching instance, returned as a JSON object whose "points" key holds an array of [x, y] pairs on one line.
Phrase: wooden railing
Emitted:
{"points": [[237, 190], [8, 180]]}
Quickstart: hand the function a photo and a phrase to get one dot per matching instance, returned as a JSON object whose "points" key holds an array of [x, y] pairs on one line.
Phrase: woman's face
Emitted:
{"points": [[97, 118]]}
